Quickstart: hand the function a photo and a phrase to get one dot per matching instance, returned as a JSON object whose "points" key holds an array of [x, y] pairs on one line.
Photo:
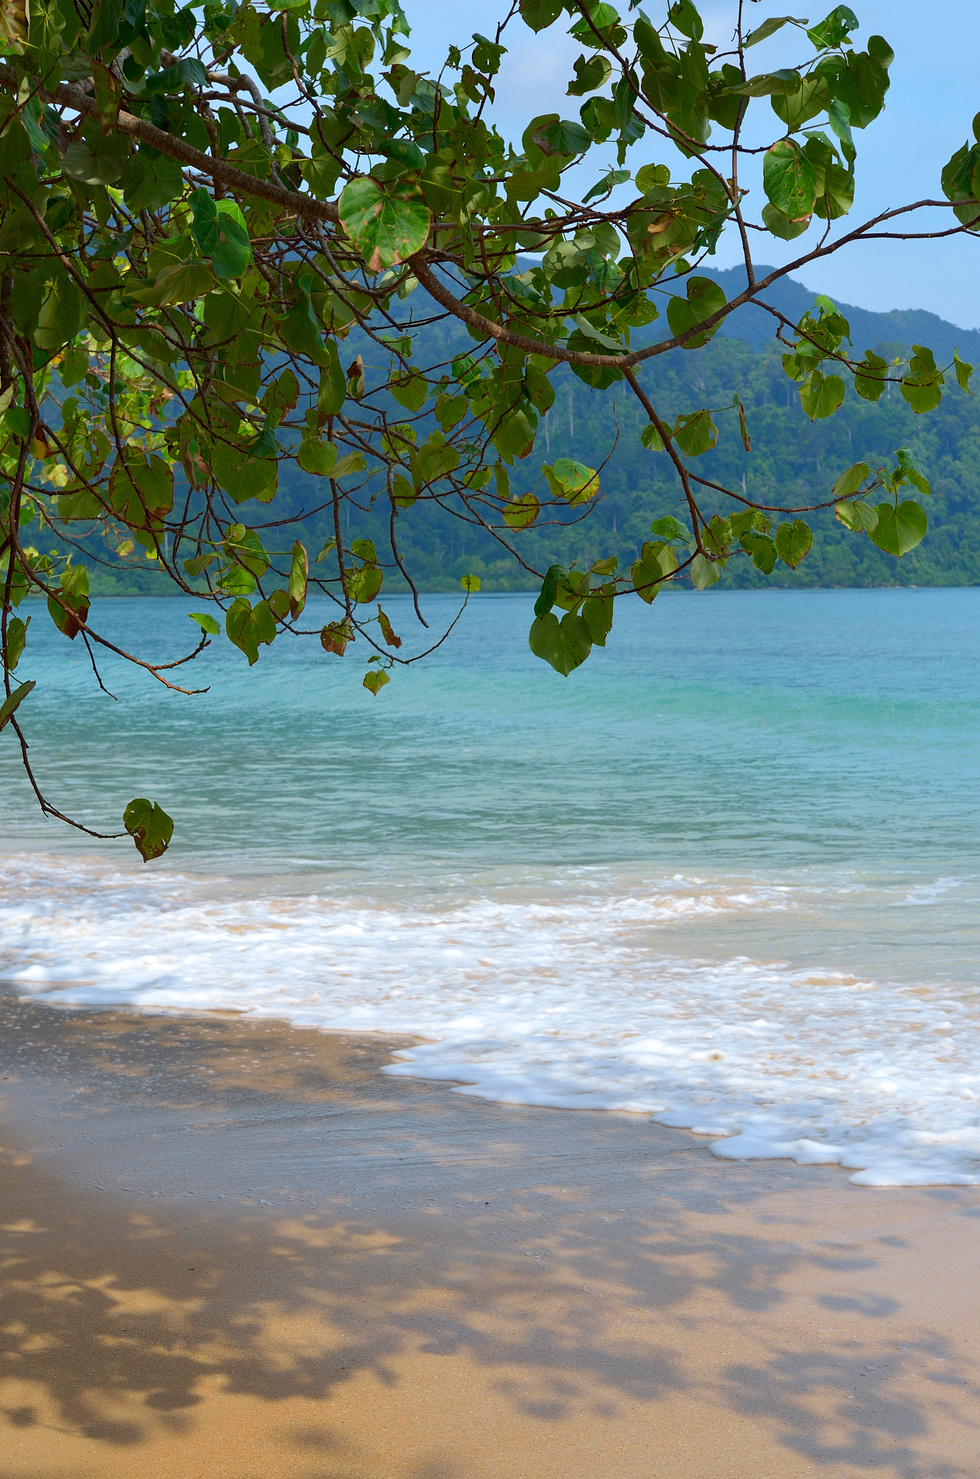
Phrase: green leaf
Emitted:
{"points": [[245, 548], [247, 626], [433, 460], [963, 372], [363, 584], [385, 224], [683, 14], [922, 386], [670, 528], [860, 517], [187, 72], [869, 381], [353, 462], [74, 365], [244, 476], [333, 383], [572, 590], [564, 644], [648, 573], [770, 27], [470, 583], [590, 73], [704, 298], [149, 182], [908, 472], [559, 136], [375, 679], [651, 438], [597, 613], [743, 425], [538, 15], [16, 640], [205, 622], [793, 542], [761, 548], [850, 481], [70, 612], [695, 433], [300, 332], [149, 826], [521, 512], [834, 28], [703, 572], [316, 457], [899, 529], [299, 572], [649, 176], [549, 589], [513, 434], [61, 314], [14, 700], [789, 179], [98, 161], [15, 146], [141, 487], [839, 115], [821, 395], [410, 390], [403, 151], [781, 226], [787, 82], [181, 283], [571, 481], [220, 231]]}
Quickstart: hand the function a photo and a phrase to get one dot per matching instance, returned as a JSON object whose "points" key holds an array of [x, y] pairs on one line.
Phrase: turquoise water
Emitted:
{"points": [[744, 835], [727, 730]]}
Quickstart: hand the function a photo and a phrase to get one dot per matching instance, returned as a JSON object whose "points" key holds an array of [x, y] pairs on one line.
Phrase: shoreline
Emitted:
{"points": [[235, 1248]]}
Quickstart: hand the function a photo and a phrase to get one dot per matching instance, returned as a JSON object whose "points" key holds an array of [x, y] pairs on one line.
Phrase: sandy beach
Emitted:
{"points": [[232, 1248]]}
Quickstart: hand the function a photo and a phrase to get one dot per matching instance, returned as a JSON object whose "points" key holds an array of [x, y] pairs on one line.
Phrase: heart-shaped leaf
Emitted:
{"points": [[386, 223], [793, 542], [789, 179], [899, 529], [149, 826], [220, 231], [564, 644]]}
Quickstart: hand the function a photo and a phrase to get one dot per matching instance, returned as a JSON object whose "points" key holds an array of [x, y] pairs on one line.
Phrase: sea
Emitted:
{"points": [[725, 876]]}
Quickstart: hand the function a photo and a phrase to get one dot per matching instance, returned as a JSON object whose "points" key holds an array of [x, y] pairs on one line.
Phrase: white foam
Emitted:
{"points": [[568, 997]]}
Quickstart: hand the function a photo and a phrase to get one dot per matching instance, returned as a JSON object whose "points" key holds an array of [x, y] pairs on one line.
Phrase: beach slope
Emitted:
{"points": [[236, 1250]]}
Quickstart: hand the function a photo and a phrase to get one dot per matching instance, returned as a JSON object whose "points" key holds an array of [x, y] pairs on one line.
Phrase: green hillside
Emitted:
{"points": [[792, 462]]}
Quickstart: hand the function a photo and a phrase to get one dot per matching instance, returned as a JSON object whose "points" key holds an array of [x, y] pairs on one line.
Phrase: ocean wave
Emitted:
{"points": [[566, 991]]}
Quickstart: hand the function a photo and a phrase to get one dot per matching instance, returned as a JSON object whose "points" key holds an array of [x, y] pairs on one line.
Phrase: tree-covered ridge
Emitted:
{"points": [[791, 460], [260, 279]]}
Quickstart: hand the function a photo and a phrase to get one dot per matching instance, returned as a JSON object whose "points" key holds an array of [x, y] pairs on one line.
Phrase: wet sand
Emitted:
{"points": [[231, 1248]]}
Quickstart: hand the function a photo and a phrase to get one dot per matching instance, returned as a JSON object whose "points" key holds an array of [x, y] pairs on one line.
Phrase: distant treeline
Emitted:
{"points": [[791, 462]]}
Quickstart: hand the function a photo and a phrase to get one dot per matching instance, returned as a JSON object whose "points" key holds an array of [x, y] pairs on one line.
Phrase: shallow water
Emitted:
{"points": [[727, 874]]}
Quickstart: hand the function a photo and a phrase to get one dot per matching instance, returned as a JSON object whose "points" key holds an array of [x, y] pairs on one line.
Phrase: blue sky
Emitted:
{"points": [[934, 95]]}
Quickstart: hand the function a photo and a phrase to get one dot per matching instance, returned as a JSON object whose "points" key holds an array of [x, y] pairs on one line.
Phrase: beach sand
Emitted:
{"points": [[232, 1248]]}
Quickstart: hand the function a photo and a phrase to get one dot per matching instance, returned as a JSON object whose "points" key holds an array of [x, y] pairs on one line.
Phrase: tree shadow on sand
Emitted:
{"points": [[577, 1268]]}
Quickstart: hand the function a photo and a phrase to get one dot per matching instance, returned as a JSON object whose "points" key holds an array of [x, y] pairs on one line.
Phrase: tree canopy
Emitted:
{"points": [[202, 204]]}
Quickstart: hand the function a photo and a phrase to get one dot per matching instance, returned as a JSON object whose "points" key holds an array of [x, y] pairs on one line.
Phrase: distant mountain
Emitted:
{"points": [[901, 327], [793, 462]]}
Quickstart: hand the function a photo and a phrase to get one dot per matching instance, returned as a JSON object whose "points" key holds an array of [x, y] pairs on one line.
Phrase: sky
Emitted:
{"points": [[934, 95]]}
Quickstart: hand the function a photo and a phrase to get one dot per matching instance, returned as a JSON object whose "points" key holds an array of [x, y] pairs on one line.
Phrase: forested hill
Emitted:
{"points": [[792, 462], [900, 328]]}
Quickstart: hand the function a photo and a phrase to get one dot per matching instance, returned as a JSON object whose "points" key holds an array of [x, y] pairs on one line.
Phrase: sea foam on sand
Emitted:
{"points": [[568, 998]]}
